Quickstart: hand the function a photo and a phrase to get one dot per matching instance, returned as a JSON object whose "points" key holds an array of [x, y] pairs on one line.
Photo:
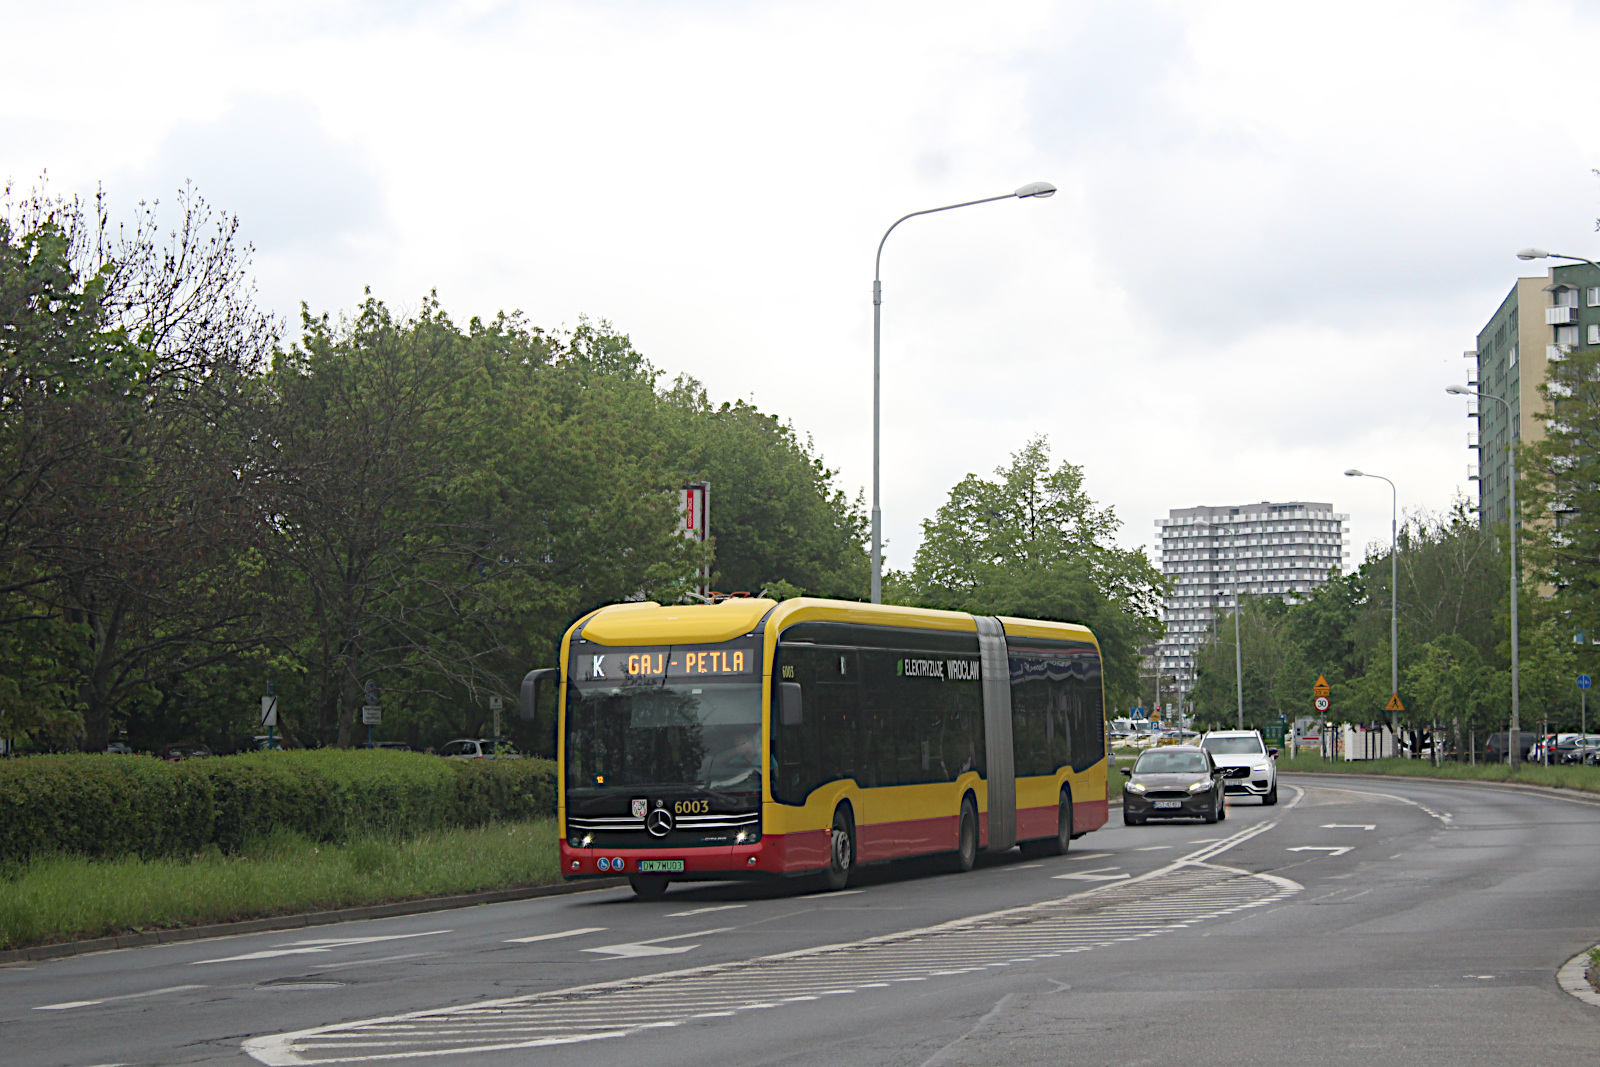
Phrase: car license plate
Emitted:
{"points": [[660, 866], [1169, 803]]}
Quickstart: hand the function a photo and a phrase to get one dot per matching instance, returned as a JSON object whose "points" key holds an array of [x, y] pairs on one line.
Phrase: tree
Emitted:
{"points": [[777, 514], [125, 502], [1033, 544]]}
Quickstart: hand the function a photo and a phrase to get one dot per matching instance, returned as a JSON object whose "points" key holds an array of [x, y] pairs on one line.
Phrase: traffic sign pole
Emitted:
{"points": [[1584, 682]]}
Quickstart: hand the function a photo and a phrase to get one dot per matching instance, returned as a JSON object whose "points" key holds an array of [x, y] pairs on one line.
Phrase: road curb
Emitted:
{"points": [[1514, 787], [295, 922], [1573, 977]]}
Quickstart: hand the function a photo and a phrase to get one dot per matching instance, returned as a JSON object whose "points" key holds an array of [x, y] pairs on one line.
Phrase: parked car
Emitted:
{"points": [[120, 748], [1494, 749], [398, 746], [184, 751], [473, 748]]}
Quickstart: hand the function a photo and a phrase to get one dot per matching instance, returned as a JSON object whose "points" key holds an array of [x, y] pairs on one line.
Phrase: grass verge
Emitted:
{"points": [[65, 898], [1577, 777]]}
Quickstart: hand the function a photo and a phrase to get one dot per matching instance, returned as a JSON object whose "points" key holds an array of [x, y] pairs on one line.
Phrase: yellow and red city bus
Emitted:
{"points": [[754, 738]]}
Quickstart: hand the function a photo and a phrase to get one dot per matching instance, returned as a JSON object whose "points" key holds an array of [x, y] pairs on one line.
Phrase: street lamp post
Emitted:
{"points": [[1037, 190], [1238, 655], [1394, 593], [1512, 745]]}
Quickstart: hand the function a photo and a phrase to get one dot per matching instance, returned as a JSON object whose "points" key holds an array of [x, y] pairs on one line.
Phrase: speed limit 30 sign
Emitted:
{"points": [[1321, 703]]}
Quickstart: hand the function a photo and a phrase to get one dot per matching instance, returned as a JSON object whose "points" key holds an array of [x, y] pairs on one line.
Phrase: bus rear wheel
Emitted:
{"points": [[966, 856], [648, 886]]}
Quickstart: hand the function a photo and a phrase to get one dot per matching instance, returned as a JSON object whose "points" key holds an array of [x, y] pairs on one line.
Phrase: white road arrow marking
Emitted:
{"points": [[1331, 850], [320, 944], [1095, 875], [68, 1005], [552, 937], [654, 947], [1349, 826]]}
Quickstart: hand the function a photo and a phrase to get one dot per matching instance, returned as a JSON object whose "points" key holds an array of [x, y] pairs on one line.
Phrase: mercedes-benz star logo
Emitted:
{"points": [[659, 822]]}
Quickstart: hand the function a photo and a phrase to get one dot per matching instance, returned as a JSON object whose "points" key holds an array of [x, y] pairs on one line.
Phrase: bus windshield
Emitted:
{"points": [[705, 736]]}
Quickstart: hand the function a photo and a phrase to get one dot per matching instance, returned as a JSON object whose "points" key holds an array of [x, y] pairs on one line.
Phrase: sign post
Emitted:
{"points": [[494, 706], [269, 717], [1584, 682], [371, 711], [1319, 700]]}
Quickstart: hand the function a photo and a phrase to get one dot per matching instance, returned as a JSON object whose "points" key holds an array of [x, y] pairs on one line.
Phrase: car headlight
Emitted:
{"points": [[1200, 786], [1133, 787], [1262, 769]]}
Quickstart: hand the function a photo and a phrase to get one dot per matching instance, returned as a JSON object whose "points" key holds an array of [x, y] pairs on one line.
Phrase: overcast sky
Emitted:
{"points": [[1279, 225]]}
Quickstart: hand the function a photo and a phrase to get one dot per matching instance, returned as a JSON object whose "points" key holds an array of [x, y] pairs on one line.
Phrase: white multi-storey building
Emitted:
{"points": [[1213, 554]]}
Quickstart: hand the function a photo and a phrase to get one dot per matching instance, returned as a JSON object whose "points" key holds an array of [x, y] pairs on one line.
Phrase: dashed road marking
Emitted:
{"points": [[1331, 850], [313, 945], [702, 911], [1349, 826], [70, 1004], [554, 936]]}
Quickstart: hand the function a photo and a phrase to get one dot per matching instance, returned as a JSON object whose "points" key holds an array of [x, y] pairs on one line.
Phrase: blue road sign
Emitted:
{"points": [[1584, 681]]}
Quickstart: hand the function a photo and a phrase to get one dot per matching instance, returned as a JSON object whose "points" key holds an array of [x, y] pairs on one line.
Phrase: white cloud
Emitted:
{"points": [[1278, 225]]}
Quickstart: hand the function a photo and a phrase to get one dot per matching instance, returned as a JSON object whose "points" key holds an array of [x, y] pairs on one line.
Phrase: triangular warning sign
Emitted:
{"points": [[1394, 704], [1320, 689]]}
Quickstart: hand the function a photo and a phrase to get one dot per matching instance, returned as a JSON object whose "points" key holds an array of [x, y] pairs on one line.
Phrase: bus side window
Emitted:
{"points": [[790, 707]]}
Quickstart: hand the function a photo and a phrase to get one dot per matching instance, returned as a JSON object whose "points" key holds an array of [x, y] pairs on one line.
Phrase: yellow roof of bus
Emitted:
{"points": [[651, 623]]}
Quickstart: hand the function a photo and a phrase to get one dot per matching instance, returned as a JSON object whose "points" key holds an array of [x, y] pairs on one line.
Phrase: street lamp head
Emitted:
{"points": [[1037, 189], [1533, 253], [1352, 473], [1458, 390]]}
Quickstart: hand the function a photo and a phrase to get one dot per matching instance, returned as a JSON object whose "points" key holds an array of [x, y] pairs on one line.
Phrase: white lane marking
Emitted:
{"points": [[320, 944], [70, 1004], [845, 893], [654, 946], [1152, 848], [380, 959], [1026, 866], [1203, 840], [1088, 855], [1349, 826], [1096, 875], [1331, 850], [552, 937], [702, 911]]}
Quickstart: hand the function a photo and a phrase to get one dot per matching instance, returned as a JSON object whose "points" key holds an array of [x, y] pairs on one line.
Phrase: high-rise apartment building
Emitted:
{"points": [[1535, 323], [1214, 554]]}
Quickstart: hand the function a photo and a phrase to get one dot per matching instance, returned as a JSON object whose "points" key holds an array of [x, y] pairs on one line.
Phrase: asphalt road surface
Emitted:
{"points": [[1359, 921]]}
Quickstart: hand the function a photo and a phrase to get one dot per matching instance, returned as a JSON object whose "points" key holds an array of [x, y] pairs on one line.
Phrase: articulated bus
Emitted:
{"points": [[753, 738]]}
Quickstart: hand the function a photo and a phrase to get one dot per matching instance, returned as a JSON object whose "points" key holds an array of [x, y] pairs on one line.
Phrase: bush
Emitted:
{"points": [[105, 805]]}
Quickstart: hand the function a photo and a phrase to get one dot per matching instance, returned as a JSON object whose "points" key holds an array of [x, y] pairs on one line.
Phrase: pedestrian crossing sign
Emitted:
{"points": [[1394, 704]]}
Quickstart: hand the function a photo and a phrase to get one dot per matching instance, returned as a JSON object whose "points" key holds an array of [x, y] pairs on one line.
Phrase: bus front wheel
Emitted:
{"points": [[841, 852], [648, 886]]}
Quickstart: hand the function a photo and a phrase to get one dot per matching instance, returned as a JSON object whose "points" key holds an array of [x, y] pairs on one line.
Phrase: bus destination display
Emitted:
{"points": [[624, 665]]}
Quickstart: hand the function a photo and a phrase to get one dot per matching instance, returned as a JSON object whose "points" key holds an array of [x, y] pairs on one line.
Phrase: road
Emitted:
{"points": [[1359, 920]]}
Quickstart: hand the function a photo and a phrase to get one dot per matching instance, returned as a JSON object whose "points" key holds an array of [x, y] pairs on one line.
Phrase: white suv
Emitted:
{"points": [[1248, 765]]}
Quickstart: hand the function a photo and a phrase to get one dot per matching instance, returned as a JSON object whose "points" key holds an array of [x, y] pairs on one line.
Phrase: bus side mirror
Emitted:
{"points": [[531, 683], [789, 713]]}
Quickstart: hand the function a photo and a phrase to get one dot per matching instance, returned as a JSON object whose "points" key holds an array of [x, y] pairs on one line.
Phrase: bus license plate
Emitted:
{"points": [[660, 866], [1169, 803]]}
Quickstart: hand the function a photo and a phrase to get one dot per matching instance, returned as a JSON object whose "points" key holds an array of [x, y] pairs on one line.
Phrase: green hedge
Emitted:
{"points": [[105, 805]]}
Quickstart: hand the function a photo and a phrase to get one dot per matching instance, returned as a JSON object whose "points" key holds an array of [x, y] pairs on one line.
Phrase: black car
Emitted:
{"points": [[1174, 781], [1494, 749]]}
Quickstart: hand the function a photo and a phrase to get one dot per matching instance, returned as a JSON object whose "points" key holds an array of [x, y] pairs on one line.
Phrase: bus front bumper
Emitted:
{"points": [[773, 854]]}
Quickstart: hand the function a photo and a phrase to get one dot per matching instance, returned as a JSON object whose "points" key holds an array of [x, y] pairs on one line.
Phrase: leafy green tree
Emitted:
{"points": [[1032, 543], [777, 515]]}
